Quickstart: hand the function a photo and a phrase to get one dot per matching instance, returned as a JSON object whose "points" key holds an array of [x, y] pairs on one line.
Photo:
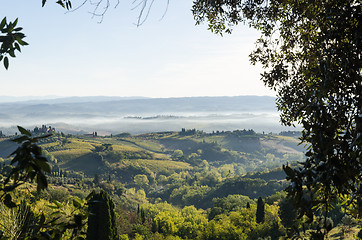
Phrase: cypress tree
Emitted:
{"points": [[260, 211], [143, 217], [101, 219], [159, 226], [154, 226]]}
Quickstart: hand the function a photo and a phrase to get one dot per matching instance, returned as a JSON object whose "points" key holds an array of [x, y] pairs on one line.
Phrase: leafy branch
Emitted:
{"points": [[11, 38]]}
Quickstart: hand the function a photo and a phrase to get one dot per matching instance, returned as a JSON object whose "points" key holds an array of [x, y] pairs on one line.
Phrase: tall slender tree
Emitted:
{"points": [[101, 220], [260, 211]]}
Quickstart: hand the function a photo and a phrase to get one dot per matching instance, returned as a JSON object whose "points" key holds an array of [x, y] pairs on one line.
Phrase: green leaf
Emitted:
{"points": [[43, 165], [12, 54], [44, 136], [17, 47], [3, 22], [15, 22], [20, 41], [52, 207], [6, 63], [41, 181], [36, 150], [90, 195], [19, 35], [59, 205], [20, 140], [60, 2], [289, 171], [77, 203], [24, 131]]}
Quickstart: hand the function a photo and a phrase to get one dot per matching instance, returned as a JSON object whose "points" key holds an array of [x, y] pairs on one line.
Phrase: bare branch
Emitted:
{"points": [[100, 8], [164, 14], [141, 17], [75, 9]]}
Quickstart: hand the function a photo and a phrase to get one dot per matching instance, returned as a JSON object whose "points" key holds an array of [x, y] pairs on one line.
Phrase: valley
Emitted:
{"points": [[158, 179]]}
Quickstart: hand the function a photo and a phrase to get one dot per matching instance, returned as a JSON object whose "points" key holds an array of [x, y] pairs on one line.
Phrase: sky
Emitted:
{"points": [[72, 54]]}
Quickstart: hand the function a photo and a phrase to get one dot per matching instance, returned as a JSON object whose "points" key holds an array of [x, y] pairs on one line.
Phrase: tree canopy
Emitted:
{"points": [[311, 53]]}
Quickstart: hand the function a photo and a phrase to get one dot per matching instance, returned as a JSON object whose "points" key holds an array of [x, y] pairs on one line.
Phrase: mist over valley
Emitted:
{"points": [[110, 115]]}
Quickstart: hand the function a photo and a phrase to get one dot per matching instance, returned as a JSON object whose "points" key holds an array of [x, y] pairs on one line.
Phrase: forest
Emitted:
{"points": [[166, 185]]}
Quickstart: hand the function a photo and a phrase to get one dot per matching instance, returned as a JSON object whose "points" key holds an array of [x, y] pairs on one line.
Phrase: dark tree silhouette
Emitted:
{"points": [[101, 220], [260, 211]]}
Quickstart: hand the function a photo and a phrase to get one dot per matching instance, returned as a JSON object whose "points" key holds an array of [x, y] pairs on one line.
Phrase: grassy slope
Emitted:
{"points": [[283, 144], [77, 152]]}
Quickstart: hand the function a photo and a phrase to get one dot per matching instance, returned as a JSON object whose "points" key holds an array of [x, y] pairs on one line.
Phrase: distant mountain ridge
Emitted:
{"points": [[114, 114], [56, 99], [108, 105]]}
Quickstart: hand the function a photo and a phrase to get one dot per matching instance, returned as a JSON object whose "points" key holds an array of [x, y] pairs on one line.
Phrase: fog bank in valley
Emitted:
{"points": [[79, 115]]}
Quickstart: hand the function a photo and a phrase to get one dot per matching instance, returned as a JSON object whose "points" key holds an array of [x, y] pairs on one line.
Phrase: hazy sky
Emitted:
{"points": [[73, 55]]}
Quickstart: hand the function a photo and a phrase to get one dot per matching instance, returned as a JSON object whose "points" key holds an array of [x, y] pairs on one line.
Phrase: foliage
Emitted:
{"points": [[101, 219], [15, 223], [11, 38], [231, 203], [42, 218], [260, 211], [29, 164], [141, 180], [311, 53]]}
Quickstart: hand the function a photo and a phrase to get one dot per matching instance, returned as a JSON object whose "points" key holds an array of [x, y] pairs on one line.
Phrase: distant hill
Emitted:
{"points": [[55, 99], [138, 115], [135, 105]]}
